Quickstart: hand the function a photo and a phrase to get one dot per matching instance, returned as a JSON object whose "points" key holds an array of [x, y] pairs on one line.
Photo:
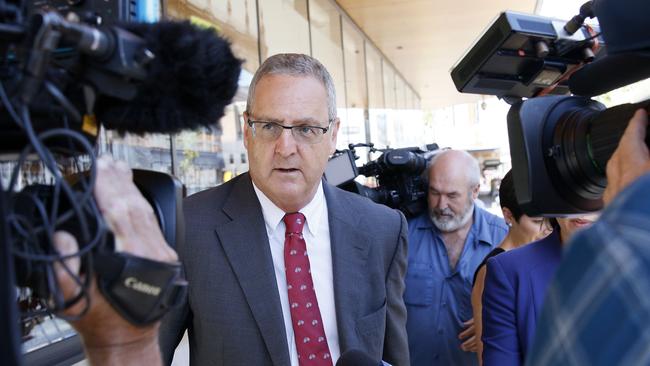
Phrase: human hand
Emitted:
{"points": [[469, 335], [128, 214], [631, 158], [109, 338]]}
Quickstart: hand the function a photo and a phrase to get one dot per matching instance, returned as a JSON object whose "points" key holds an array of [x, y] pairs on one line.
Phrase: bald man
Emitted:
{"points": [[446, 245]]}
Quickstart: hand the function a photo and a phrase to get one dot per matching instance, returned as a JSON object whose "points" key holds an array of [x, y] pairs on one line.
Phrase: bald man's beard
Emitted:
{"points": [[446, 221]]}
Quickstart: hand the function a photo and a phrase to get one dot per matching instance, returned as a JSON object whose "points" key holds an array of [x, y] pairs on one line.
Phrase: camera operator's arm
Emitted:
{"points": [[631, 159], [108, 338]]}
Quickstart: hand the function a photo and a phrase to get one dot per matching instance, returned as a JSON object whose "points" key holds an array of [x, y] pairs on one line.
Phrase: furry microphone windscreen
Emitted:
{"points": [[189, 83]]}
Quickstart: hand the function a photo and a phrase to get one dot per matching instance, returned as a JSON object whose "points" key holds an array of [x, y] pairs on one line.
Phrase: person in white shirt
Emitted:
{"points": [[283, 268]]}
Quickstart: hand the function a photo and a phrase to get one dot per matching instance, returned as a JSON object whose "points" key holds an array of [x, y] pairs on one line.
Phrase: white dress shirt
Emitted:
{"points": [[317, 237]]}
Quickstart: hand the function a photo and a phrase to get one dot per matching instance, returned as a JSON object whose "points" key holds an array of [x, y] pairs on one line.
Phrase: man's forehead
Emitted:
{"points": [[287, 98], [448, 173], [273, 117], [446, 188], [447, 183], [279, 80]]}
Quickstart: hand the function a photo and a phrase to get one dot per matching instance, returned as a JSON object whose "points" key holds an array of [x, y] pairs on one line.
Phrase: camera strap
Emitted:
{"points": [[140, 289]]}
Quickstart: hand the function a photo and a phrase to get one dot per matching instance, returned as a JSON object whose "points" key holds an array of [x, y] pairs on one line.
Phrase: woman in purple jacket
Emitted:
{"points": [[522, 230], [515, 287]]}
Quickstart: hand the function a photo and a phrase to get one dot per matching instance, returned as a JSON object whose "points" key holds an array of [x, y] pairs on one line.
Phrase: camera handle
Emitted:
{"points": [[141, 290]]}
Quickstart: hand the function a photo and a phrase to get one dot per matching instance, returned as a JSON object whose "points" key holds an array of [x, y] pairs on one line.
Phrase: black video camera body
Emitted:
{"points": [[398, 172], [560, 144], [521, 55], [68, 68]]}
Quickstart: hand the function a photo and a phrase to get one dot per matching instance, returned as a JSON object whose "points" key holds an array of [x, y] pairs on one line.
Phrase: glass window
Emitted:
{"points": [[375, 80], [233, 140], [200, 154], [408, 97], [400, 92], [353, 120], [236, 20], [205, 158], [376, 111], [151, 151], [414, 99], [283, 27], [325, 23], [389, 85], [400, 122], [355, 71], [199, 159]]}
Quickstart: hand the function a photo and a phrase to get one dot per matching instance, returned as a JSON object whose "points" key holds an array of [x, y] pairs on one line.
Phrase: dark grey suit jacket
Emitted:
{"points": [[233, 312]]}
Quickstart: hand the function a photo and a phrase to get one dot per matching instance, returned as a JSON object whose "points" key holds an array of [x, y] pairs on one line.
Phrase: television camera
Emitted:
{"points": [[560, 143], [68, 68], [398, 173]]}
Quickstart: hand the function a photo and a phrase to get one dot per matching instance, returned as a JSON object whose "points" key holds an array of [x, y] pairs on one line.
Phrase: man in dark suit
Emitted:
{"points": [[345, 256]]}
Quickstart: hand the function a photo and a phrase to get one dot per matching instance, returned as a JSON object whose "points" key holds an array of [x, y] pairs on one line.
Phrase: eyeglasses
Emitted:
{"points": [[270, 131]]}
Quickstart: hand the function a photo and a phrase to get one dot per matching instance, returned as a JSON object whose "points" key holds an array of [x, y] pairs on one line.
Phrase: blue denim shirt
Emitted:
{"points": [[438, 299]]}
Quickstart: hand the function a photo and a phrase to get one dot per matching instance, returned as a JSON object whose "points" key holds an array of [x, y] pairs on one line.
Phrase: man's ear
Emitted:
{"points": [[246, 130], [507, 215], [335, 131], [475, 190]]}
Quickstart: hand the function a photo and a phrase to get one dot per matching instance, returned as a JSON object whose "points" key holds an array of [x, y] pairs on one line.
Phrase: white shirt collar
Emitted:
{"points": [[315, 211]]}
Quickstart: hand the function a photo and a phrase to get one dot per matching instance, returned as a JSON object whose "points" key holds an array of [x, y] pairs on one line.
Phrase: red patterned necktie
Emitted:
{"points": [[308, 330]]}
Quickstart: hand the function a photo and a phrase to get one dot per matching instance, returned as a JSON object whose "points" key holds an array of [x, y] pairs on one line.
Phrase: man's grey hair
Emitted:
{"points": [[473, 171], [295, 64]]}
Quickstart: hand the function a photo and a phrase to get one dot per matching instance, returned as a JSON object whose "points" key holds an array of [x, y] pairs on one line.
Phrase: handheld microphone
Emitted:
{"points": [[140, 78], [355, 357]]}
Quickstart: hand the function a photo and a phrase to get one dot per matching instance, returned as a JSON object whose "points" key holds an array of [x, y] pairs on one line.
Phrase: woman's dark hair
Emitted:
{"points": [[507, 196], [552, 221]]}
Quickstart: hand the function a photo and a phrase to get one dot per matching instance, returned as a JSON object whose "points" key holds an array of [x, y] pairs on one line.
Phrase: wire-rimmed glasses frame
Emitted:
{"points": [[271, 131]]}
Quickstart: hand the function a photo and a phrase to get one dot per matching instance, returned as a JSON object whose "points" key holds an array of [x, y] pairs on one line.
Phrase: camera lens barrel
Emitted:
{"points": [[572, 155], [585, 137], [606, 130]]}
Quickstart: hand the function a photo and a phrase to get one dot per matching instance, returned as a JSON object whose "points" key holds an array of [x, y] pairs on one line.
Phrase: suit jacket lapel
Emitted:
{"points": [[350, 247], [246, 245]]}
